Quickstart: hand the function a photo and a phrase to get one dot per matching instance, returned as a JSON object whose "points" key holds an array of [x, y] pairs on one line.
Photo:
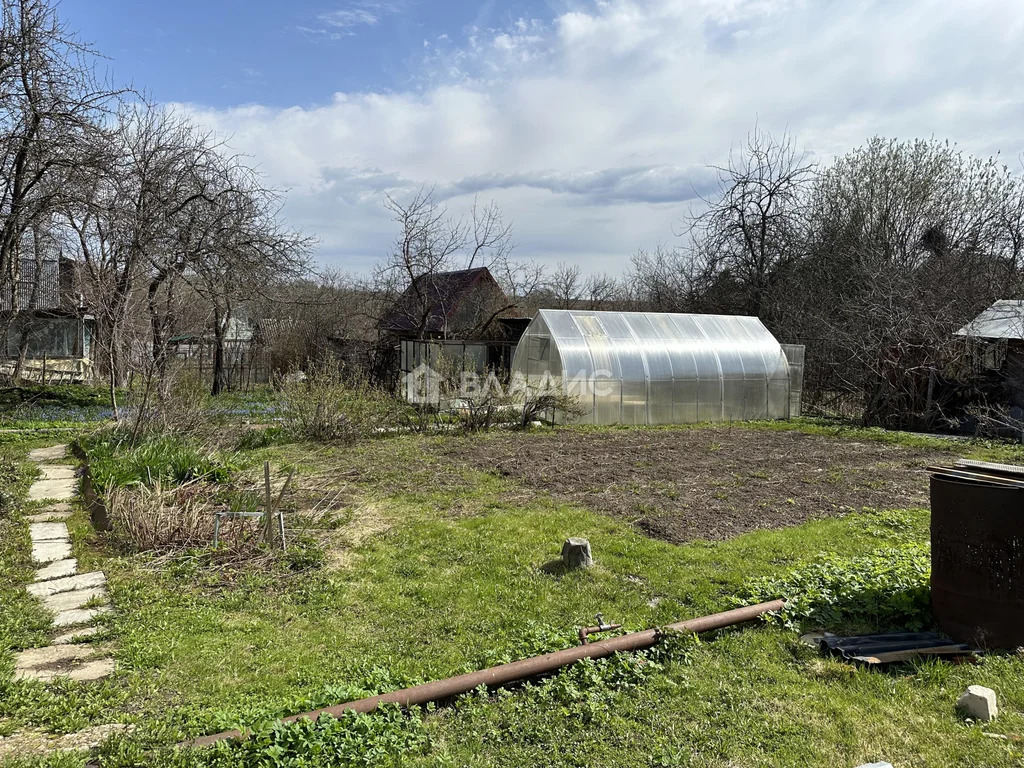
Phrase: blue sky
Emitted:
{"points": [[227, 52], [589, 122]]}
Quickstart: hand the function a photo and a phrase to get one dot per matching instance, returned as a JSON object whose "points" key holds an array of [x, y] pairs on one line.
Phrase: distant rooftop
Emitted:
{"points": [[1003, 320], [433, 299]]}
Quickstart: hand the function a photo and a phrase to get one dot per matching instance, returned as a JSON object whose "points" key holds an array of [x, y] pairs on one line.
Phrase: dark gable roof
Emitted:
{"points": [[441, 292], [38, 285]]}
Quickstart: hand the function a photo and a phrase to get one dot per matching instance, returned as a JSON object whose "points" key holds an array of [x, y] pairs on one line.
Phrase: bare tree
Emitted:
{"points": [[50, 105], [567, 286], [247, 252], [522, 281], [40, 240], [602, 290], [429, 243], [669, 280], [136, 216], [755, 227]]}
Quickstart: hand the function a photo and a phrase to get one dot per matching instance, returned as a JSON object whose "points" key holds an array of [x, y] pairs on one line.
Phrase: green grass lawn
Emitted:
{"points": [[455, 576]]}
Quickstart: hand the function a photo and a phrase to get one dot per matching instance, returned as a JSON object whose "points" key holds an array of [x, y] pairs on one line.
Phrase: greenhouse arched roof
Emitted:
{"points": [[658, 368]]}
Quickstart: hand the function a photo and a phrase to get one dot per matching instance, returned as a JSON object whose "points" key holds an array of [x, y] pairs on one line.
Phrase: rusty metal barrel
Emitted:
{"points": [[977, 581]]}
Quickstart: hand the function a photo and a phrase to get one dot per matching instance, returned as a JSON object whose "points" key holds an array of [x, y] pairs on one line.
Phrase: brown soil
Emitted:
{"points": [[708, 483]]}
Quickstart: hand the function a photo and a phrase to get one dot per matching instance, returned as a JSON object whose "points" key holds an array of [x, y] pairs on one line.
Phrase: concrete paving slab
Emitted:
{"points": [[49, 532], [93, 670], [75, 636], [52, 515], [58, 472], [49, 551], [58, 570], [51, 655], [50, 453], [68, 601], [67, 584], [79, 616], [59, 490], [85, 671]]}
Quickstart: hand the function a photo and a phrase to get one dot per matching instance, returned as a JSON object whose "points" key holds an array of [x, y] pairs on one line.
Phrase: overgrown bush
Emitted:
{"points": [[887, 589], [994, 422], [481, 403], [326, 405]]}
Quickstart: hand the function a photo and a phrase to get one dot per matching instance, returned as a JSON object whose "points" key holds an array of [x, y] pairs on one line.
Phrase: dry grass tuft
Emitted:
{"points": [[154, 520]]}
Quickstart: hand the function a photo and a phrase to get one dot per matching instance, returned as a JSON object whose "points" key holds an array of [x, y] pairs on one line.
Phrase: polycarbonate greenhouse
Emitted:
{"points": [[658, 368]]}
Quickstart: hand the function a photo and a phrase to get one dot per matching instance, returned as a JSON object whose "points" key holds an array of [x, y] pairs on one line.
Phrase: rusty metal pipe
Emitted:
{"points": [[585, 632], [520, 670]]}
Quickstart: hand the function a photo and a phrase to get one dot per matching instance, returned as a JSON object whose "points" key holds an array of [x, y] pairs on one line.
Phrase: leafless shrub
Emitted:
{"points": [[549, 405], [483, 404], [327, 405], [181, 410], [997, 421], [154, 520]]}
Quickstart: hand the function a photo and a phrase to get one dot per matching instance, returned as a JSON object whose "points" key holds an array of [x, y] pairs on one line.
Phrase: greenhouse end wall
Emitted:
{"points": [[658, 368]]}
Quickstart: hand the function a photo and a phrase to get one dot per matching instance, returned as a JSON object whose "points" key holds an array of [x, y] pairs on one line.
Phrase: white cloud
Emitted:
{"points": [[592, 129], [341, 22], [349, 17]]}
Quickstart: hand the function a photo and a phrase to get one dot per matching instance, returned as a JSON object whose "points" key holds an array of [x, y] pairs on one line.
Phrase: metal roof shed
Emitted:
{"points": [[658, 368], [1003, 320]]}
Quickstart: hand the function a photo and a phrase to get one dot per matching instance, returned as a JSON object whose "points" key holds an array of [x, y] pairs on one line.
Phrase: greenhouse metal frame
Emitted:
{"points": [[658, 368]]}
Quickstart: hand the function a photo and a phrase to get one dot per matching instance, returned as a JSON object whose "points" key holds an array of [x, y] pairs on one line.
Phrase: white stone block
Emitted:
{"points": [[67, 584], [59, 490], [78, 616], [51, 515], [53, 453], [67, 601], [49, 532], [58, 472], [75, 635], [978, 703], [49, 551], [51, 655], [58, 569]]}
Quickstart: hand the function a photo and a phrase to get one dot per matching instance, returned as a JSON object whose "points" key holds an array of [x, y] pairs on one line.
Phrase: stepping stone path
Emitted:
{"points": [[75, 599]]}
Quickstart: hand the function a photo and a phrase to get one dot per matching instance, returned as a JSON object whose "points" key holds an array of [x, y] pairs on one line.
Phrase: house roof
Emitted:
{"points": [[433, 298], [39, 285], [1003, 320]]}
